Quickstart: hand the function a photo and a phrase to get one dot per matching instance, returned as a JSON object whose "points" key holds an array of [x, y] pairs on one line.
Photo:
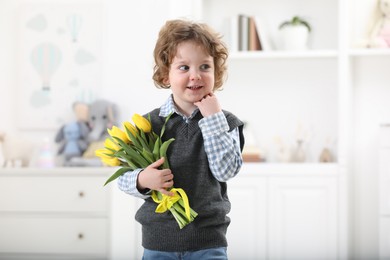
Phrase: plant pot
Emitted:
{"points": [[294, 37]]}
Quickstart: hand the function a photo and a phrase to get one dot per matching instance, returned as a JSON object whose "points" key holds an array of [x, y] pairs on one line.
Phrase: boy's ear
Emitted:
{"points": [[166, 82]]}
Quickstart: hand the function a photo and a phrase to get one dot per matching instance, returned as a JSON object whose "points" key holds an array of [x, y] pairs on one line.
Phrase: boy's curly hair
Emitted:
{"points": [[175, 32]]}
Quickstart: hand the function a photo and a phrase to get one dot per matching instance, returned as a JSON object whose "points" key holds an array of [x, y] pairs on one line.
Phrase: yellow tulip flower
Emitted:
{"points": [[131, 128], [142, 123], [116, 132], [112, 161], [102, 153], [108, 143]]}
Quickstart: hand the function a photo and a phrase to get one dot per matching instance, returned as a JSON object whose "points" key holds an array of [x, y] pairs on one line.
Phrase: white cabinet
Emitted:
{"points": [[279, 211], [247, 233], [384, 194], [303, 220], [286, 212], [54, 214]]}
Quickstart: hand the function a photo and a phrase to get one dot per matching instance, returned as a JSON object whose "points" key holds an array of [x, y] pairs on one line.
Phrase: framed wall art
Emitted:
{"points": [[60, 61]]}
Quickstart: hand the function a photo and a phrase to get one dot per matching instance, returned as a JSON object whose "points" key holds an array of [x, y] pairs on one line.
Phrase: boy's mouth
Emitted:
{"points": [[194, 87]]}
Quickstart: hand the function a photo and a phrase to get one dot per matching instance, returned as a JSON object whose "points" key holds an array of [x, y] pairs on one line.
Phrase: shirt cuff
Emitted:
{"points": [[128, 184], [213, 124]]}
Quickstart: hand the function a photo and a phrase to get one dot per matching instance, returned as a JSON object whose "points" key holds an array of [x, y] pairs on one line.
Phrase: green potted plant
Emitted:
{"points": [[294, 33]]}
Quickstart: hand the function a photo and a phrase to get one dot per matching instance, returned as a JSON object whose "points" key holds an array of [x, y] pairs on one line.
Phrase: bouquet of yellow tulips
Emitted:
{"points": [[138, 147]]}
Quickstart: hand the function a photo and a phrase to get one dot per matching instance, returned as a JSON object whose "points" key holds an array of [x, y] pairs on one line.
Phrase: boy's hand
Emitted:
{"points": [[154, 179], [208, 105]]}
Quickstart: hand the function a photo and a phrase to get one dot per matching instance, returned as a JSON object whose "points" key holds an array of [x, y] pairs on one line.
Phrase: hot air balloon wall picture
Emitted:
{"points": [[74, 22], [46, 58]]}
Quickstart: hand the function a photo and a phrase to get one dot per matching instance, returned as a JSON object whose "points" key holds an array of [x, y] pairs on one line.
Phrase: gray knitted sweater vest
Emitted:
{"points": [[208, 197]]}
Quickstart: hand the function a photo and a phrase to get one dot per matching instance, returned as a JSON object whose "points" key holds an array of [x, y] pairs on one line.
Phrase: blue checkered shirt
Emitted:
{"points": [[222, 148]]}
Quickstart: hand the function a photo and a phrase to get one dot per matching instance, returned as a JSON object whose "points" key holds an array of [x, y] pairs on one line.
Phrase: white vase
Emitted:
{"points": [[294, 37]]}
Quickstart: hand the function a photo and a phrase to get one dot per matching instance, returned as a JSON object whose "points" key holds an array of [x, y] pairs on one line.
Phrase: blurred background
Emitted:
{"points": [[322, 102]]}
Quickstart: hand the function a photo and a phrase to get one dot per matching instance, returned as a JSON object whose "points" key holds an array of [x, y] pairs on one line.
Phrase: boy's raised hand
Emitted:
{"points": [[155, 179], [208, 105]]}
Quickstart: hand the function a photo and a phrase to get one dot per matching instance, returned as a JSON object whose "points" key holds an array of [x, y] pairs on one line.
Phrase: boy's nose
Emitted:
{"points": [[195, 76]]}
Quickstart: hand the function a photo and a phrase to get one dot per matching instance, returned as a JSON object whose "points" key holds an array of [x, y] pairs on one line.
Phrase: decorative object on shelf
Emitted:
{"points": [[303, 136], [17, 151], [380, 33], [137, 146], [251, 151], [294, 34], [326, 154], [299, 153], [72, 137], [102, 114], [252, 154], [283, 154], [46, 155]]}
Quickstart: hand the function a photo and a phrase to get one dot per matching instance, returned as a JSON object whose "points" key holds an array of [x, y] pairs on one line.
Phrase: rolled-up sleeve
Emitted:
{"points": [[222, 147], [128, 184]]}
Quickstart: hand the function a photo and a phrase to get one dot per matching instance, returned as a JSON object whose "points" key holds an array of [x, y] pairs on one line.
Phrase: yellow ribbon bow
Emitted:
{"points": [[166, 202]]}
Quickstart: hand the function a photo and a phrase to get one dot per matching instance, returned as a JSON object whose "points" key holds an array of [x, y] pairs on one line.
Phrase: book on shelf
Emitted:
{"points": [[248, 34], [263, 34], [253, 38], [243, 32]]}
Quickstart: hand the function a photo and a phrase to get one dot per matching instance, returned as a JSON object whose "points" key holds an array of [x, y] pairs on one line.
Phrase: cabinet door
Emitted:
{"points": [[384, 243], [247, 232], [303, 218], [384, 169]]}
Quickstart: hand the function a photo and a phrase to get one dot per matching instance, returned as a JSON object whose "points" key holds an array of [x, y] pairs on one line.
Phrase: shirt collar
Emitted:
{"points": [[169, 107]]}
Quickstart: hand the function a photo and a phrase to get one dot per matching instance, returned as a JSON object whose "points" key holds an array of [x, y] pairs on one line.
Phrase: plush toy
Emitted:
{"points": [[102, 114], [72, 137], [380, 33], [16, 150]]}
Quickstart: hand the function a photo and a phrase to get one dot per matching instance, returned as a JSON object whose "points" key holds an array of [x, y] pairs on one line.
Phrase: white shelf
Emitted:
{"points": [[57, 171], [289, 169], [284, 54], [369, 52]]}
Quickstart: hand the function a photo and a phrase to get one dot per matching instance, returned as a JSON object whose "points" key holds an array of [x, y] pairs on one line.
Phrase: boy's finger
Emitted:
{"points": [[157, 163], [164, 191]]}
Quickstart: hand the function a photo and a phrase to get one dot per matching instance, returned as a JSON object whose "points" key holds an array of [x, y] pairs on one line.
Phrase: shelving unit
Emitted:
{"points": [[337, 27], [293, 91], [384, 195], [336, 74]]}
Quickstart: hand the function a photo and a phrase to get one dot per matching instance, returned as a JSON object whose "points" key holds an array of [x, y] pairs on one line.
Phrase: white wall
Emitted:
{"points": [[130, 36]]}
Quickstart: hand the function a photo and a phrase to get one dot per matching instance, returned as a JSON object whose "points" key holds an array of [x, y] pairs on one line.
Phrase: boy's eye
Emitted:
{"points": [[204, 67], [184, 67]]}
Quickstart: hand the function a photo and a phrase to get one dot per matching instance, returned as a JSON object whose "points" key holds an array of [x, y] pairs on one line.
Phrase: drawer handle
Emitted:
{"points": [[81, 194], [81, 236]]}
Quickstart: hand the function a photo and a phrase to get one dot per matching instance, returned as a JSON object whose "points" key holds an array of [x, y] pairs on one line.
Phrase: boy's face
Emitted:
{"points": [[191, 75]]}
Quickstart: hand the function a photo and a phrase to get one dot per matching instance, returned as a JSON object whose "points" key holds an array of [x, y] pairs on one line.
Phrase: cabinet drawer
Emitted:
{"points": [[57, 194], [384, 138], [384, 184], [53, 235], [384, 241]]}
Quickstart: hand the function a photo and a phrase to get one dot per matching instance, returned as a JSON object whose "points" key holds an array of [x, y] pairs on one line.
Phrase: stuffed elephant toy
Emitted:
{"points": [[102, 114]]}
